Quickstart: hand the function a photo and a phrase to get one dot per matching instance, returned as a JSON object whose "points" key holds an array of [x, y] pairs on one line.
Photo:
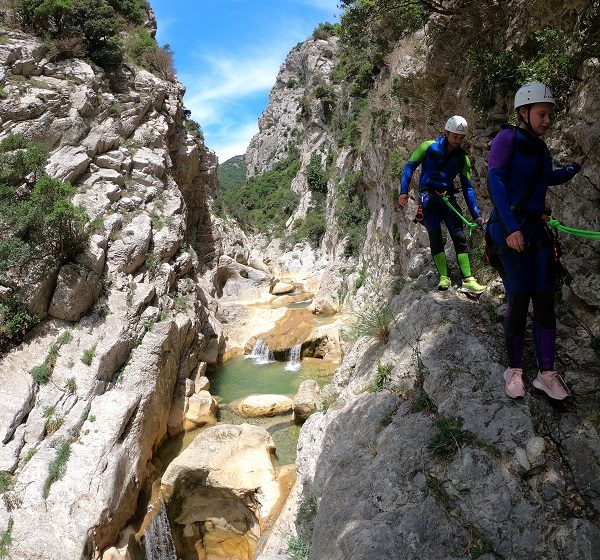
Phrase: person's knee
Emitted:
{"points": [[436, 241], [543, 309], [460, 241]]}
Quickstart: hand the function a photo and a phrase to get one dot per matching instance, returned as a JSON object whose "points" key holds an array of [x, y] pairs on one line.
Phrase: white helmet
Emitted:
{"points": [[457, 124], [535, 92]]}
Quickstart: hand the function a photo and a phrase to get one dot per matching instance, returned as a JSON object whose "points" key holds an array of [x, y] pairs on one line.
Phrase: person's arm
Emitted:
{"points": [[563, 174], [416, 158], [468, 191], [501, 154]]}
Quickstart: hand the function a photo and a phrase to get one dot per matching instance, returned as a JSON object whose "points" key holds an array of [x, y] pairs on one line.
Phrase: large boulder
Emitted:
{"points": [[219, 490], [255, 406]]}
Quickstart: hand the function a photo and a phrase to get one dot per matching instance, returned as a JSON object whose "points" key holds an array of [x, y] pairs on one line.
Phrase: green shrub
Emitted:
{"points": [[15, 321], [65, 338], [450, 437], [41, 374], [58, 466], [6, 539], [307, 511], [382, 377], [5, 481], [92, 22], [88, 356], [29, 455], [312, 228], [362, 275], [133, 10], [352, 214], [153, 263], [374, 322], [194, 129], [53, 424], [396, 161], [316, 177], [38, 220], [138, 43], [326, 94], [266, 201], [71, 385], [325, 30], [298, 548]]}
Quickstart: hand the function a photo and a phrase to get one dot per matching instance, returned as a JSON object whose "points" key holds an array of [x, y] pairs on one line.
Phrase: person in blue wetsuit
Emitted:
{"points": [[441, 160], [519, 173]]}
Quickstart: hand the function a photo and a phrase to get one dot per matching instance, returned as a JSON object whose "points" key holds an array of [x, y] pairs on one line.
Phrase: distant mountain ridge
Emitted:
{"points": [[232, 173]]}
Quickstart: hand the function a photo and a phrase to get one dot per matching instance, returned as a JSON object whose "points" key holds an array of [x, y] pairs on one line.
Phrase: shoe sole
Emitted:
{"points": [[540, 387], [443, 288], [475, 293]]}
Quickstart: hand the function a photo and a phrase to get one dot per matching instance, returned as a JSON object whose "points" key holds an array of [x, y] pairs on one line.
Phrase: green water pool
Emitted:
{"points": [[241, 377]]}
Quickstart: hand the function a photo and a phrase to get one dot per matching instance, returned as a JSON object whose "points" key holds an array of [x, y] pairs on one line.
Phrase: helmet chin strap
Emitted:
{"points": [[527, 122]]}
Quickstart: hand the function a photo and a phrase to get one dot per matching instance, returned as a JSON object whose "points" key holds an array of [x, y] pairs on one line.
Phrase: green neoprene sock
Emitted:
{"points": [[440, 263], [465, 266]]}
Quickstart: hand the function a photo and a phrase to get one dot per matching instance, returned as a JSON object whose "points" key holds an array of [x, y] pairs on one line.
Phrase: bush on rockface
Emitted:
{"points": [[91, 28], [143, 50], [552, 55], [36, 215]]}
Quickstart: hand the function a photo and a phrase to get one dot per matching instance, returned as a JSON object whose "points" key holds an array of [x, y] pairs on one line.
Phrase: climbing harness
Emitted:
{"points": [[471, 225], [553, 222], [419, 215]]}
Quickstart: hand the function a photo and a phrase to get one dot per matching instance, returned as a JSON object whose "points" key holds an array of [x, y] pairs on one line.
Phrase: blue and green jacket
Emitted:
{"points": [[438, 171]]}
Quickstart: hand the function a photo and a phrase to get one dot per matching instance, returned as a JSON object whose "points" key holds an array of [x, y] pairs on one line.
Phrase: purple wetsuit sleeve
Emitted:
{"points": [[502, 149], [501, 155]]}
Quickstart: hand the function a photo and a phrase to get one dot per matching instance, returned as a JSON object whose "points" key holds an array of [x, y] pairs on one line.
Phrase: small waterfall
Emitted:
{"points": [[294, 359], [261, 353], [158, 540]]}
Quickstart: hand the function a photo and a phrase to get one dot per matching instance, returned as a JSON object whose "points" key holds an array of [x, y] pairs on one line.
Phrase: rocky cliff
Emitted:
{"points": [[435, 461], [124, 327]]}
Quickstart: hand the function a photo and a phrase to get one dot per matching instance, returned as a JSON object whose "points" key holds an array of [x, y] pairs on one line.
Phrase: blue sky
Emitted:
{"points": [[228, 53]]}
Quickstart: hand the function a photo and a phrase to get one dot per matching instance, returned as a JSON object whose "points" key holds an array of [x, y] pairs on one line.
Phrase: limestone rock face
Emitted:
{"points": [[306, 400], [143, 318], [76, 291], [278, 125], [219, 490]]}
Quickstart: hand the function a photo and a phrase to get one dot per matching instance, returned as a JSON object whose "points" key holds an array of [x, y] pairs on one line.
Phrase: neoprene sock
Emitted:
{"points": [[465, 266], [440, 263]]}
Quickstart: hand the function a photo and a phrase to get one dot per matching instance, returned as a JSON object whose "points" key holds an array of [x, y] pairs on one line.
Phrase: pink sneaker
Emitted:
{"points": [[552, 384], [514, 383]]}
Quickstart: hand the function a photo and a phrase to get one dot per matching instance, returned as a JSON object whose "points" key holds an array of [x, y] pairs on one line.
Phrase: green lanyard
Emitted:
{"points": [[553, 222], [471, 225]]}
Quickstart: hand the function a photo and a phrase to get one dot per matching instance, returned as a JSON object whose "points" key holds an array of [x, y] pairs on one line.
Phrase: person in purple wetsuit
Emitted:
{"points": [[519, 174]]}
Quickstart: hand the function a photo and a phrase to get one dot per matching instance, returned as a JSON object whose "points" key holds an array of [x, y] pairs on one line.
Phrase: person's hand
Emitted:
{"points": [[515, 241], [579, 160], [403, 200], [480, 220]]}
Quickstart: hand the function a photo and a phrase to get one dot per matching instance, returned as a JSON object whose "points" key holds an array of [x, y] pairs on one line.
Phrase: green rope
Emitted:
{"points": [[552, 222], [471, 225]]}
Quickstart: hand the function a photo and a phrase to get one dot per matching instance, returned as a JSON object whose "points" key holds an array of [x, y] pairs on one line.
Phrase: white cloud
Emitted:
{"points": [[233, 140], [229, 77]]}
